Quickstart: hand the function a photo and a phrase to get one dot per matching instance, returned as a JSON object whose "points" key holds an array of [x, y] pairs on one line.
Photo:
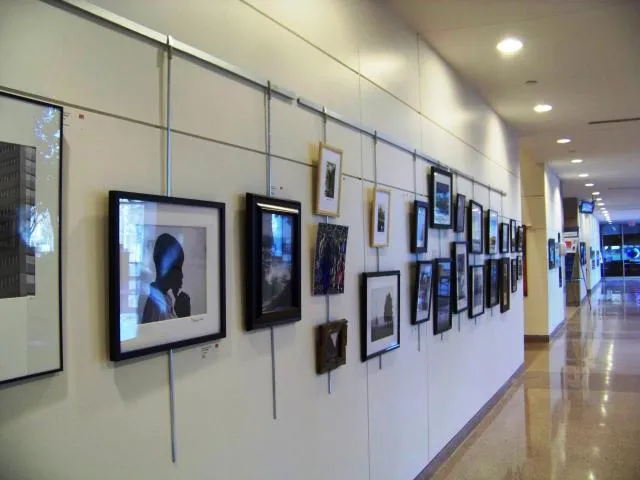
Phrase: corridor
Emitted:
{"points": [[575, 412]]}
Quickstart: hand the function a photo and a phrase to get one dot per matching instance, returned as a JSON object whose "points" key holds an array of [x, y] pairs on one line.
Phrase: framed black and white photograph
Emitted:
{"points": [[504, 237], [330, 259], [380, 217], [492, 232], [460, 255], [440, 198], [512, 231], [458, 225], [475, 227], [273, 279], [493, 283], [166, 273], [442, 296], [31, 140], [380, 313], [420, 234], [331, 346], [422, 292], [476, 290], [520, 239], [329, 181], [551, 253], [514, 275], [505, 287]]}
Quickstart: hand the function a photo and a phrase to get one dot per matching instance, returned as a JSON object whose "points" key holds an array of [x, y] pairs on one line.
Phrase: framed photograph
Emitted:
{"points": [[504, 237], [460, 255], [422, 294], [475, 227], [461, 201], [272, 262], [520, 239], [442, 298], [505, 287], [583, 253], [380, 218], [551, 249], [331, 346], [329, 181], [420, 234], [512, 231], [330, 259], [560, 276], [519, 260], [476, 288], [166, 273], [493, 283], [31, 140], [492, 232], [380, 313], [440, 198], [514, 275]]}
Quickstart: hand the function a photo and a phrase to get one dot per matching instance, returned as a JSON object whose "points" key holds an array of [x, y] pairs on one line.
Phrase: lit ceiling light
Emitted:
{"points": [[583, 175], [510, 45], [598, 199], [542, 108], [600, 204], [576, 160], [596, 193], [588, 184], [563, 140]]}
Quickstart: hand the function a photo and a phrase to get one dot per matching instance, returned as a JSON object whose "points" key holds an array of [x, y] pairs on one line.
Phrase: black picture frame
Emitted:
{"points": [[493, 282], [287, 212], [513, 231], [505, 287], [475, 222], [520, 239], [460, 278], [442, 308], [551, 253], [504, 237], [48, 130], [131, 207], [461, 201], [387, 285], [422, 292], [519, 260], [476, 290], [583, 253], [420, 227], [514, 275], [331, 354], [492, 232], [441, 202]]}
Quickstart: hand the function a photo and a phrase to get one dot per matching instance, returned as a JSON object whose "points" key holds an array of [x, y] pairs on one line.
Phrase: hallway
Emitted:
{"points": [[575, 412]]}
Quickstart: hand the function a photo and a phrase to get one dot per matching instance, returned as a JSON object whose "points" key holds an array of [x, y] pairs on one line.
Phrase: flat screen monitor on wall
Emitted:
{"points": [[586, 207]]}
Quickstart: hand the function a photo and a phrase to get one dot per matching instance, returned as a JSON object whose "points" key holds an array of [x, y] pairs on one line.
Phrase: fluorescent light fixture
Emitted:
{"points": [[600, 204], [542, 108], [583, 175], [595, 193], [598, 199], [510, 45], [563, 140], [576, 160], [588, 184]]}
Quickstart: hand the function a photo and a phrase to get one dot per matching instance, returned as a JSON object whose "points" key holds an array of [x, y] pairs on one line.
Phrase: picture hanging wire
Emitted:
{"points": [[375, 184], [415, 197], [487, 235], [326, 220]]}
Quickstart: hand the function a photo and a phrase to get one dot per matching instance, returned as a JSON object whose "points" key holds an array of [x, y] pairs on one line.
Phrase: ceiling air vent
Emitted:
{"points": [[615, 120]]}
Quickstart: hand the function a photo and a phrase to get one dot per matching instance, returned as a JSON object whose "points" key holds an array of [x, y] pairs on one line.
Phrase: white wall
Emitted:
{"points": [[554, 220], [101, 421], [590, 234]]}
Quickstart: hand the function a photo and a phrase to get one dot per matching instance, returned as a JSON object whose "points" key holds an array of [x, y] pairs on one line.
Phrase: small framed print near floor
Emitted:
{"points": [[166, 273], [379, 313], [331, 346]]}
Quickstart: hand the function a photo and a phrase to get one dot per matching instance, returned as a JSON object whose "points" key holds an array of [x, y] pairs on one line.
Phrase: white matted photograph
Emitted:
{"points": [[329, 181], [380, 218], [380, 313]]}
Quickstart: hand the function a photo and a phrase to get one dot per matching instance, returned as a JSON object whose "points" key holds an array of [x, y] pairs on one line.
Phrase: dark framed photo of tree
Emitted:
{"points": [[419, 233], [458, 225], [442, 298], [422, 293], [512, 230], [476, 290], [379, 313], [440, 198], [460, 255], [273, 278], [504, 237], [492, 232], [475, 227], [493, 282], [505, 287]]}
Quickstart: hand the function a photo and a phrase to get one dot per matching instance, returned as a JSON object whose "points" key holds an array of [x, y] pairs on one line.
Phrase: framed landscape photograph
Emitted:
{"points": [[380, 313], [272, 257], [380, 217], [551, 252], [504, 237], [512, 231], [505, 287], [460, 255], [166, 273], [476, 288], [330, 259], [492, 232], [31, 143], [442, 298], [329, 181], [475, 227], [331, 346], [493, 283], [422, 293], [514, 275], [420, 234], [461, 201], [440, 198]]}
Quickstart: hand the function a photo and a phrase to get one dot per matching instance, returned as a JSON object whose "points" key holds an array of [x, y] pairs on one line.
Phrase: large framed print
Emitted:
{"points": [[458, 226], [512, 231], [273, 249], [30, 241], [329, 181], [505, 287], [380, 218], [475, 227], [419, 233], [493, 283], [460, 255], [492, 232], [504, 237], [422, 294], [379, 313], [442, 298], [440, 198], [166, 273], [476, 290]]}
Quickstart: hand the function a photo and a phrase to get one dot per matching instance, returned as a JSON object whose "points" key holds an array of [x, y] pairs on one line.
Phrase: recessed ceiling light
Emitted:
{"points": [[583, 175], [510, 45], [598, 199], [542, 108], [596, 193], [600, 204], [576, 160], [588, 184], [563, 140]]}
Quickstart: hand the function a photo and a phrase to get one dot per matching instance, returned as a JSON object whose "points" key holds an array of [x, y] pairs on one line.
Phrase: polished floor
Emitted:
{"points": [[575, 412]]}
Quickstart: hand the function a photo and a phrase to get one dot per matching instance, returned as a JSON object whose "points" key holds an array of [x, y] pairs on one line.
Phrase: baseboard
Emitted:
{"points": [[462, 435], [546, 338]]}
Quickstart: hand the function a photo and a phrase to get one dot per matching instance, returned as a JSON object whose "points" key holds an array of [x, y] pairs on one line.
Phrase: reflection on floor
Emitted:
{"points": [[575, 412]]}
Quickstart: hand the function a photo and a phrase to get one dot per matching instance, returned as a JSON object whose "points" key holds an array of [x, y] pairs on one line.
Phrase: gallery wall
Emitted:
{"points": [[101, 420], [590, 234], [555, 217]]}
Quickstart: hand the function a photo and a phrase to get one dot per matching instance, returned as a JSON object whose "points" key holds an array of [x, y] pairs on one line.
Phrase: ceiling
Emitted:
{"points": [[585, 57]]}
